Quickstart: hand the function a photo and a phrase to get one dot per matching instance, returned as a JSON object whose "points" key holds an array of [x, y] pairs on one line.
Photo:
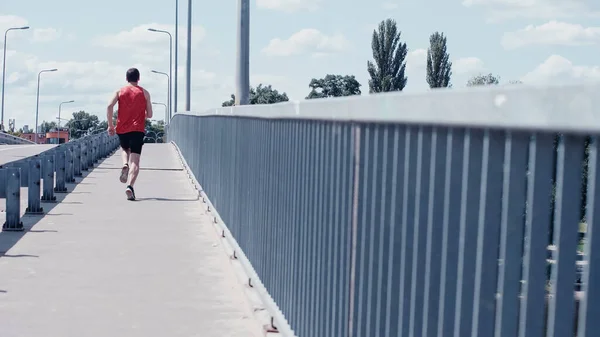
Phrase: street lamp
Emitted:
{"points": [[4, 72], [170, 68], [59, 108], [168, 80], [37, 103], [188, 75], [158, 103], [242, 74]]}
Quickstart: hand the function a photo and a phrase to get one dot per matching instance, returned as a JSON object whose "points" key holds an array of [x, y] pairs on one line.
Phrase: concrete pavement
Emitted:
{"points": [[98, 265], [10, 153]]}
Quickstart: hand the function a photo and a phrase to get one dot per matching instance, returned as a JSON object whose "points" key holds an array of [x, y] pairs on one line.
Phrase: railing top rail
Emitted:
{"points": [[19, 140], [566, 108]]}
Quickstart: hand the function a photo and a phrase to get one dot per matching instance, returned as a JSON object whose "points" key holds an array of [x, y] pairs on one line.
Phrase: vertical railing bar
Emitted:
{"points": [[363, 230], [381, 230], [446, 217], [404, 229], [371, 224], [589, 311], [480, 232], [428, 248], [462, 231], [353, 244], [392, 221], [416, 232]]}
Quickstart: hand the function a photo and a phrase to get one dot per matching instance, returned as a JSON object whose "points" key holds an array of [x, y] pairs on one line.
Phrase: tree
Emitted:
{"points": [[389, 54], [82, 122], [261, 95], [333, 86], [479, 80], [439, 67], [47, 126], [154, 131]]}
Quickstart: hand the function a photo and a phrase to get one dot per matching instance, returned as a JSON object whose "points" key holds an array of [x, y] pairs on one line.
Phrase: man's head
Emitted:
{"points": [[133, 75]]}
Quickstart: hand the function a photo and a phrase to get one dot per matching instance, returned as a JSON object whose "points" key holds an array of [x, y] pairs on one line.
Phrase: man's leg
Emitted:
{"points": [[124, 140], [137, 141]]}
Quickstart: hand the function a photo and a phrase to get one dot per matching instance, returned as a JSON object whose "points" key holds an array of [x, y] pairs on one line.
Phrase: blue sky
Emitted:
{"points": [[292, 41]]}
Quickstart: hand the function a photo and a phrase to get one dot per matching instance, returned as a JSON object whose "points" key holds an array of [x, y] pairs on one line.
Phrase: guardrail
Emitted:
{"points": [[48, 173], [6, 138], [410, 215]]}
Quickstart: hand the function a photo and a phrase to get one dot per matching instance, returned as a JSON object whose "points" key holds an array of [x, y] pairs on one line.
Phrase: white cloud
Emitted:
{"points": [[45, 35], [416, 59], [559, 69], [289, 6], [467, 66], [552, 33], [305, 41], [501, 10], [389, 5], [149, 46], [11, 21], [90, 85]]}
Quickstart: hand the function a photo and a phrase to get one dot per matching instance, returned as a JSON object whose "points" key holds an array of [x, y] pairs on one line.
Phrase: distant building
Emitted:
{"points": [[51, 137]]}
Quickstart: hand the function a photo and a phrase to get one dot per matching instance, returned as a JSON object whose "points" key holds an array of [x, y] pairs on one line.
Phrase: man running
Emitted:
{"points": [[135, 106]]}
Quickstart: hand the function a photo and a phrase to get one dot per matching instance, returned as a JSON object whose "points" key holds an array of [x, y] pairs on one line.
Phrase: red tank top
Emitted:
{"points": [[132, 110]]}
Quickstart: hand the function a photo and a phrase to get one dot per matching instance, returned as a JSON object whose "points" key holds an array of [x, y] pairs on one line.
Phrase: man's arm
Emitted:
{"points": [[148, 104], [110, 109]]}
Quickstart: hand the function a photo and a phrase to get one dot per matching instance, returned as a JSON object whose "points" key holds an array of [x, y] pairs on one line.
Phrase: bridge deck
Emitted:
{"points": [[98, 265]]}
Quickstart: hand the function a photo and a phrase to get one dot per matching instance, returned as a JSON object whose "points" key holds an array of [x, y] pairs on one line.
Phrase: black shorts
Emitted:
{"points": [[132, 141]]}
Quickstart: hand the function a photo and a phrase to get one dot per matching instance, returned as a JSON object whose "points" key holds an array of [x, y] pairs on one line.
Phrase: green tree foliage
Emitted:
{"points": [[439, 67], [47, 126], [334, 86], [261, 95], [83, 122], [479, 80], [389, 55], [155, 131]]}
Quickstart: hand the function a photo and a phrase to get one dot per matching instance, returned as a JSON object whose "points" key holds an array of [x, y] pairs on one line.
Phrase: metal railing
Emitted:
{"points": [[6, 138], [48, 173], [412, 215]]}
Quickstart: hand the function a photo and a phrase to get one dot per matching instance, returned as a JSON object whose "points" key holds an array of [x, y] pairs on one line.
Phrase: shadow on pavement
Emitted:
{"points": [[9, 239]]}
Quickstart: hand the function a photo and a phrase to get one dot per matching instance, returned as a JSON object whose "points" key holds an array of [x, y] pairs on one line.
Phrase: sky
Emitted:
{"points": [[292, 41]]}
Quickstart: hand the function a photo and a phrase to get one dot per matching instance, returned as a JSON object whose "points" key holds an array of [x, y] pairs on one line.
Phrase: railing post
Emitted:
{"points": [[84, 154], [90, 154], [33, 192], [69, 173], [76, 161], [13, 200], [48, 172], [61, 163], [3, 177], [95, 147]]}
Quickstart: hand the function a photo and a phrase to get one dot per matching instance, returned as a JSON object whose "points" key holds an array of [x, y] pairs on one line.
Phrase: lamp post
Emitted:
{"points": [[37, 101], [4, 73], [188, 75], [242, 96], [176, 54], [59, 108], [170, 67], [158, 103], [168, 80]]}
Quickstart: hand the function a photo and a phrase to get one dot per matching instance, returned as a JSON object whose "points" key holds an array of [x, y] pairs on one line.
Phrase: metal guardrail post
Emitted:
{"points": [[96, 152], [13, 200], [69, 171], [24, 166], [90, 154], [61, 161], [3, 173], [76, 160], [84, 155], [34, 189], [48, 183]]}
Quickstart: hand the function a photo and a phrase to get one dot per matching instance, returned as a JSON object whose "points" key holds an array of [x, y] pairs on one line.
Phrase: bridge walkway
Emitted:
{"points": [[99, 265]]}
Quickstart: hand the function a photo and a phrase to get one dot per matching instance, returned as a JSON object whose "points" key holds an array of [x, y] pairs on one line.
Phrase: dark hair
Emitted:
{"points": [[133, 75]]}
